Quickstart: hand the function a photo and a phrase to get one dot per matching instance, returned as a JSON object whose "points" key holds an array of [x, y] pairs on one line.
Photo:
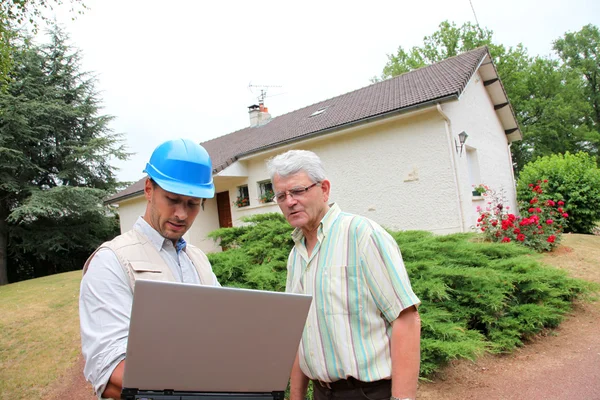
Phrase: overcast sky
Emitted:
{"points": [[182, 68]]}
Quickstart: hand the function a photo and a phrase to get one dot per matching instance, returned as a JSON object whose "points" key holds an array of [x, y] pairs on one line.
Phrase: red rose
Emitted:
{"points": [[551, 239], [521, 237], [561, 203], [549, 221], [565, 215], [517, 231], [505, 239], [531, 210]]}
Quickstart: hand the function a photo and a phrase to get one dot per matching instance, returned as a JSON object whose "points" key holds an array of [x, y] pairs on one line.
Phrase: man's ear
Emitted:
{"points": [[325, 187], [148, 189]]}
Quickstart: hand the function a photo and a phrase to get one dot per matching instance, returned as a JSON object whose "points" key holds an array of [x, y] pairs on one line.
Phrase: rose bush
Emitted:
{"points": [[539, 225]]}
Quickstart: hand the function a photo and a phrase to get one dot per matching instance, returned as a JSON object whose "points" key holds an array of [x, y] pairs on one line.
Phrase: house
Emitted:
{"points": [[395, 151]]}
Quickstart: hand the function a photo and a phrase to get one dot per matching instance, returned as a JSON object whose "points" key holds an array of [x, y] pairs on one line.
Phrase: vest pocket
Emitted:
{"points": [[145, 270]]}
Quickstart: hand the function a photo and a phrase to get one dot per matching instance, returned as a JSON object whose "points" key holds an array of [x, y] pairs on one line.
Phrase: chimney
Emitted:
{"points": [[259, 115]]}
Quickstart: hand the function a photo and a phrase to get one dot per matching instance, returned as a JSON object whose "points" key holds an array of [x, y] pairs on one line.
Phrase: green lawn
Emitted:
{"points": [[40, 341]]}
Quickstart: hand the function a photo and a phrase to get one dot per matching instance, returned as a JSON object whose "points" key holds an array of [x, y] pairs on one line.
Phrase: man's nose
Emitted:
{"points": [[181, 211], [290, 200]]}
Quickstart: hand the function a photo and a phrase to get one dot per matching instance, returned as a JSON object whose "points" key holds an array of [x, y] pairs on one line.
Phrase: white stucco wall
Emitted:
{"points": [[206, 222], [130, 210], [396, 173], [474, 113]]}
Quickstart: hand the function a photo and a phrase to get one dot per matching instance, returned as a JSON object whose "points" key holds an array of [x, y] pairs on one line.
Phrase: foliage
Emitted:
{"points": [[51, 135], [552, 111], [480, 189], [267, 197], [18, 12], [476, 297], [539, 225], [573, 178], [257, 253], [580, 51], [242, 201], [55, 230]]}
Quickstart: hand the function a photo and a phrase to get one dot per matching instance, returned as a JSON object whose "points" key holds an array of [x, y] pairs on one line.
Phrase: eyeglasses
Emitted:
{"points": [[294, 193]]}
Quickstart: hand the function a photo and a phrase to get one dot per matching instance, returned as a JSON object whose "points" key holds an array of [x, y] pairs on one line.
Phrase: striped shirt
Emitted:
{"points": [[359, 286]]}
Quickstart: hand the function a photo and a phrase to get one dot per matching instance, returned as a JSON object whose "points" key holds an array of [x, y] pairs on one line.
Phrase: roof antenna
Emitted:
{"points": [[263, 91], [475, 15]]}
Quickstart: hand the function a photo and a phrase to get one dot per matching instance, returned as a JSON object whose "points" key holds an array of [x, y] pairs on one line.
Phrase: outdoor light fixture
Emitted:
{"points": [[462, 137]]}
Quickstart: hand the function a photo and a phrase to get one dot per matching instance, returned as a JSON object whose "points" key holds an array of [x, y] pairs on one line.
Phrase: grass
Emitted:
{"points": [[39, 321], [40, 324]]}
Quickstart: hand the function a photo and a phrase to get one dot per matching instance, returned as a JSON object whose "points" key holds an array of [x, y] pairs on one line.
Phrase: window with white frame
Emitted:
{"points": [[243, 198], [265, 191], [473, 166]]}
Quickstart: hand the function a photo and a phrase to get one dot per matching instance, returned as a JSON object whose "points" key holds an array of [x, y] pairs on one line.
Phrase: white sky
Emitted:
{"points": [[181, 68]]}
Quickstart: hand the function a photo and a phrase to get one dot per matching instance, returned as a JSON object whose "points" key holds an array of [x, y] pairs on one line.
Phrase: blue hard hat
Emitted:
{"points": [[183, 167]]}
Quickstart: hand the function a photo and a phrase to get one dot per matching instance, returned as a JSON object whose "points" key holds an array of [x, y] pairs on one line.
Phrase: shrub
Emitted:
{"points": [[539, 226], [574, 178], [476, 297]]}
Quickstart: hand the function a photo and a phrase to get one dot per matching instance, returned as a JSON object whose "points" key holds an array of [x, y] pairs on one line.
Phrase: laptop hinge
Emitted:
{"points": [[129, 393]]}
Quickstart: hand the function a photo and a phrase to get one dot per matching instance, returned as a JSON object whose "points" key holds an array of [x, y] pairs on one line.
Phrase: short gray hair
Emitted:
{"points": [[295, 161]]}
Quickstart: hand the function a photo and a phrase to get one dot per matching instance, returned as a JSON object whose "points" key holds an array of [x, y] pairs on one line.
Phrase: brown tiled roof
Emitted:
{"points": [[438, 81]]}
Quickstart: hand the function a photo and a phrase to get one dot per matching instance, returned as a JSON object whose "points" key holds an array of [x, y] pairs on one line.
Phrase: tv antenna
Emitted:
{"points": [[263, 91]]}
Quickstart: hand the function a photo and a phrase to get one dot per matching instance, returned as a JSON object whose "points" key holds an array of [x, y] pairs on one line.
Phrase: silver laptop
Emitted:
{"points": [[193, 338]]}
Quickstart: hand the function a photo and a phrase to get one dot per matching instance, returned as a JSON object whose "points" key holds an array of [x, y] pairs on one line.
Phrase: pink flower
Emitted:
{"points": [[560, 209], [561, 203], [551, 239], [531, 210], [565, 215], [538, 210], [549, 221]]}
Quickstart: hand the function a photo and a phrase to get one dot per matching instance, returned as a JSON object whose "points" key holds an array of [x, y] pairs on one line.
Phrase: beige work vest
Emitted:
{"points": [[140, 259]]}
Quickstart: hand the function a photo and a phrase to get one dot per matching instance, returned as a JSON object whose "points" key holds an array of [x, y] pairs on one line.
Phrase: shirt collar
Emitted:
{"points": [[154, 237], [324, 226]]}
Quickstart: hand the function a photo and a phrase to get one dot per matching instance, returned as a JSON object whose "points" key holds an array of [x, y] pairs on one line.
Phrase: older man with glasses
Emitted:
{"points": [[362, 335]]}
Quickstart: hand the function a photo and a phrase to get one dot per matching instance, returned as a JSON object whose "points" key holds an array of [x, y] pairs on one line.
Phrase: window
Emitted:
{"points": [[265, 191], [473, 165], [243, 199]]}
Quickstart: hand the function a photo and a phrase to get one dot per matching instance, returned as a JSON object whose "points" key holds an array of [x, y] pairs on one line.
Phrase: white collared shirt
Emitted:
{"points": [[105, 304]]}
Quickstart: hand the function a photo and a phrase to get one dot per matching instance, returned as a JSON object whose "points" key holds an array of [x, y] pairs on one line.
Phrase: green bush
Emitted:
{"points": [[476, 297], [573, 178]]}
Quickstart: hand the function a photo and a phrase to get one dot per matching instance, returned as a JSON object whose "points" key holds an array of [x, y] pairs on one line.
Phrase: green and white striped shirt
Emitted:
{"points": [[359, 286]]}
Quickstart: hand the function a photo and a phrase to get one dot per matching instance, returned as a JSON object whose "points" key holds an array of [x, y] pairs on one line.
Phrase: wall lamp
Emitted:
{"points": [[462, 137]]}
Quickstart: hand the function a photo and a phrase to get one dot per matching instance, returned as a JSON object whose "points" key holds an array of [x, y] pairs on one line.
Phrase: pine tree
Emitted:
{"points": [[52, 137]]}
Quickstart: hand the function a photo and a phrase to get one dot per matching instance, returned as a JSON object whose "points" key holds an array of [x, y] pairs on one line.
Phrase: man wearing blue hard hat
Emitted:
{"points": [[179, 178]]}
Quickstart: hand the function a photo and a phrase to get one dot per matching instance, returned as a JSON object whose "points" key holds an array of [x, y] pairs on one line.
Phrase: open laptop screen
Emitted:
{"points": [[197, 338]]}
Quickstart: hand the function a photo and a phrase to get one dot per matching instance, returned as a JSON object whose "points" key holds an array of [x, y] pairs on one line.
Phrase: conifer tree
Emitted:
{"points": [[52, 137]]}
